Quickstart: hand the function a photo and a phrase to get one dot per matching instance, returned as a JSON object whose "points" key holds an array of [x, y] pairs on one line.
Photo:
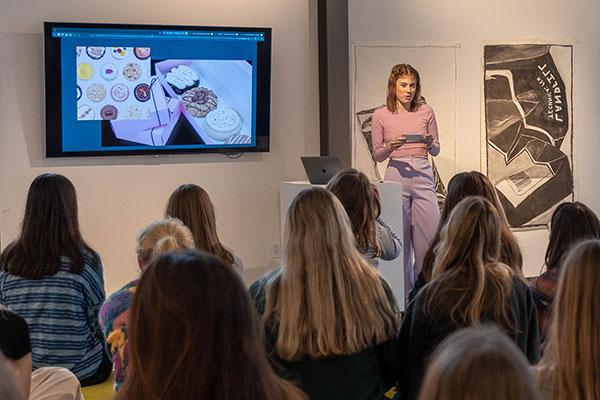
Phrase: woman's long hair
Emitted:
{"points": [[326, 300], [168, 234], [478, 364], [467, 184], [194, 335], [359, 198], [570, 224], [468, 282], [49, 232], [191, 204], [572, 355], [397, 72]]}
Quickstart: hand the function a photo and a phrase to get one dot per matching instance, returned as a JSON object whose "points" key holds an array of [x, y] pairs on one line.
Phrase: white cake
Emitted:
{"points": [[222, 123]]}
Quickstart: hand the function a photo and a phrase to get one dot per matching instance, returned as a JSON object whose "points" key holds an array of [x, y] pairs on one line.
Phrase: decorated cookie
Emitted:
{"points": [[109, 71], [142, 92], [199, 101], [79, 93], [119, 92], [132, 111], [222, 123], [109, 112], [119, 52], [142, 52], [238, 139], [85, 71], [96, 92], [85, 113], [132, 71], [95, 53]]}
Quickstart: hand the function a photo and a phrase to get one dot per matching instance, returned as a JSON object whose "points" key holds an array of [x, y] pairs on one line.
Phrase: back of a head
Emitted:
{"points": [[168, 234], [570, 223], [573, 348], [478, 364], [204, 341]]}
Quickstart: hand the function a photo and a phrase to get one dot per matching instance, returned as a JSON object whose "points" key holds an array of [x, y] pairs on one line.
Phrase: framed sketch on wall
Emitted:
{"points": [[527, 95]]}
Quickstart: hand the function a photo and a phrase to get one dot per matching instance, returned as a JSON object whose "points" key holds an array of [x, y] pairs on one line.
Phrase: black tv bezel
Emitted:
{"points": [[53, 88]]}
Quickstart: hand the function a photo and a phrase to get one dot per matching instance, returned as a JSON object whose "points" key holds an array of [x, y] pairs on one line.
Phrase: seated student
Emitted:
{"points": [[478, 364], [191, 204], [168, 234], [463, 185], [329, 316], [54, 280], [194, 335], [469, 286], [570, 224], [570, 368], [47, 383], [360, 199]]}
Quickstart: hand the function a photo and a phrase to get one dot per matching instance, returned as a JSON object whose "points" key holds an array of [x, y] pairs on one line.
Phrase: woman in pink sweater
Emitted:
{"points": [[405, 131]]}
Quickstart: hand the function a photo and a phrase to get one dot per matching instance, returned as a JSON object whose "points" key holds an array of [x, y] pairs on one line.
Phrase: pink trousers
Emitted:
{"points": [[421, 214]]}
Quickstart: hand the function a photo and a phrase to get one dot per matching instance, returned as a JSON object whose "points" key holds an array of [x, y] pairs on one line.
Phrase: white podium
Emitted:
{"points": [[391, 211]]}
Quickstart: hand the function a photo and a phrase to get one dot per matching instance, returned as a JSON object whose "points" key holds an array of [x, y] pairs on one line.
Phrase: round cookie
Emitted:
{"points": [[142, 92], [238, 139], [199, 101], [96, 92], [222, 123], [132, 71], [119, 52], [142, 52], [85, 71], [85, 113], [109, 71], [79, 92], [119, 92], [132, 111], [109, 112], [95, 53]]}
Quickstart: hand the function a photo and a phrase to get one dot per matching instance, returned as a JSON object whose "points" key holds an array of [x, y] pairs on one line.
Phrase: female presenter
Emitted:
{"points": [[405, 131]]}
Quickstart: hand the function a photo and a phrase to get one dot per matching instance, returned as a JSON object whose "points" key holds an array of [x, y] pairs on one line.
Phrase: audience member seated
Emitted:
{"points": [[194, 335], [360, 199], [463, 185], [169, 234], [478, 364], [9, 390], [47, 383], [469, 286], [570, 224], [53, 279], [570, 368], [329, 317], [191, 204]]}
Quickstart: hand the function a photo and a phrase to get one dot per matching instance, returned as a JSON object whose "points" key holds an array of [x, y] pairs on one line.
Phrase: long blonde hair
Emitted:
{"points": [[572, 354], [168, 234], [468, 282], [326, 300]]}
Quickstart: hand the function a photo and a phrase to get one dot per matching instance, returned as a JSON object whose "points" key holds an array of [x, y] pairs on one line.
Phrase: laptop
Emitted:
{"points": [[321, 169]]}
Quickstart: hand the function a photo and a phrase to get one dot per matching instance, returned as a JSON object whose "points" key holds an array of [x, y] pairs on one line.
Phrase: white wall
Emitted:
{"points": [[119, 196], [475, 22]]}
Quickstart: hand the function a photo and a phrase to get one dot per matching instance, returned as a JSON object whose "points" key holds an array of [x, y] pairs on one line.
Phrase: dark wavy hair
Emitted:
{"points": [[397, 72]]}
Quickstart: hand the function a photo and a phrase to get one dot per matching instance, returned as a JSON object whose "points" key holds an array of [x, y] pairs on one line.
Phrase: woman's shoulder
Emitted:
{"points": [[381, 111], [425, 108]]}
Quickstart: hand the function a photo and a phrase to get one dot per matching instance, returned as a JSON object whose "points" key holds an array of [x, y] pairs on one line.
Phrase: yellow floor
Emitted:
{"points": [[103, 391]]}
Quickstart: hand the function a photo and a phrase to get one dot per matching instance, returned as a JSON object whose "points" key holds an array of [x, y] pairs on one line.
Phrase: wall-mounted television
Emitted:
{"points": [[114, 89]]}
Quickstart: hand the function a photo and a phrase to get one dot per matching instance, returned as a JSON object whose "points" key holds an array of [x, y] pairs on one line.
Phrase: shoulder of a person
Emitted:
{"points": [[258, 287], [383, 110], [425, 108]]}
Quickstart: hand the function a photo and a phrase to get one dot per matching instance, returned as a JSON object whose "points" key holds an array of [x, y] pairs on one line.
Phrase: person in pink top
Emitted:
{"points": [[405, 131]]}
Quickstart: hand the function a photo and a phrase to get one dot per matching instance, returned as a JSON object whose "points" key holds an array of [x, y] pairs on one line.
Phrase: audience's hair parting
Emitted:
{"points": [[49, 231], [360, 200], [168, 234], [571, 222], [396, 73], [468, 281], [467, 184], [326, 300], [478, 364], [194, 335], [572, 355], [191, 204]]}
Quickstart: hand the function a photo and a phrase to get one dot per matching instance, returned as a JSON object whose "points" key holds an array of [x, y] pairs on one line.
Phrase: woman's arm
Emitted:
{"points": [[381, 151], [389, 242], [432, 129]]}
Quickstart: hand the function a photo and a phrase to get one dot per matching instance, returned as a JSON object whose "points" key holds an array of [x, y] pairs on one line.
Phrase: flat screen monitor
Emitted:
{"points": [[115, 89]]}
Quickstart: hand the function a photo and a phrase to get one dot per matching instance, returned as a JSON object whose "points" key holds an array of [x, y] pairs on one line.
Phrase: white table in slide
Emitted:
{"points": [[391, 212]]}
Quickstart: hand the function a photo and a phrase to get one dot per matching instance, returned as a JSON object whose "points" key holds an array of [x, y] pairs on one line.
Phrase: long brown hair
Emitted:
{"points": [[359, 198], [468, 282], [572, 355], [326, 300], [478, 364], [397, 72], [191, 204], [49, 232], [467, 184], [570, 223], [194, 335], [168, 234]]}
